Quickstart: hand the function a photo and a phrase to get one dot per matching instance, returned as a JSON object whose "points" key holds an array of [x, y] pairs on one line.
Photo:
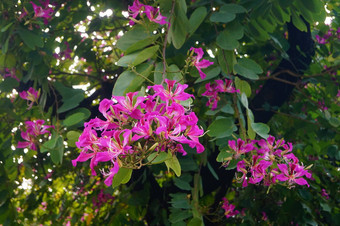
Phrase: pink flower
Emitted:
{"points": [[10, 73], [200, 64], [168, 94], [324, 193], [229, 208], [40, 12], [293, 174], [31, 95], [240, 148], [213, 90], [33, 129], [153, 14]]}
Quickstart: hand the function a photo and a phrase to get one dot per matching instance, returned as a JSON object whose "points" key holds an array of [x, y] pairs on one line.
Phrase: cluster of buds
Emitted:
{"points": [[31, 95], [153, 14], [137, 126], [213, 90], [267, 162], [33, 130]]}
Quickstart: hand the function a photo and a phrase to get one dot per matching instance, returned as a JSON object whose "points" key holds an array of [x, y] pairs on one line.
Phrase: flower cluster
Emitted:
{"points": [[101, 199], [43, 11], [31, 95], [198, 62], [267, 161], [229, 209], [33, 130], [213, 90], [136, 127], [153, 14], [10, 73], [331, 34]]}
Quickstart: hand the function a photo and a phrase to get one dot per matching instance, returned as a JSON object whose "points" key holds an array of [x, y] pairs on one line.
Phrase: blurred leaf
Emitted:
{"points": [[31, 39], [156, 158], [248, 68], [261, 129], [196, 18]]}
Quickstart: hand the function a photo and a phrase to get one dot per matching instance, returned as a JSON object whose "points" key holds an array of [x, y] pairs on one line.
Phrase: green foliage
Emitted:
{"points": [[80, 56]]}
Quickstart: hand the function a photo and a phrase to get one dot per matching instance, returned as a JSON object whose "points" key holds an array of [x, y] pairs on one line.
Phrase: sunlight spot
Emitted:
{"points": [[125, 14]]}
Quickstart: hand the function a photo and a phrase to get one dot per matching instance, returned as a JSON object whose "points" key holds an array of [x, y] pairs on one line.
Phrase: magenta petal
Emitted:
{"points": [[281, 177], [23, 144], [82, 157], [113, 171], [301, 181]]}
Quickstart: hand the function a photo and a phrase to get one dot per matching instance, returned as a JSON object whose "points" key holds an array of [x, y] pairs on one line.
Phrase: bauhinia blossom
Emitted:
{"points": [[44, 12], [33, 130], [134, 127], [267, 162], [213, 90], [229, 209], [31, 95], [198, 62], [153, 14]]}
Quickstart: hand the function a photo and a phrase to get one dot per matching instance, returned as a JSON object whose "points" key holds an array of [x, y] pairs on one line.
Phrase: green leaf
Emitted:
{"points": [[196, 18], [261, 129], [73, 119], [145, 54], [227, 39], [334, 121], [129, 40], [179, 26], [233, 8], [141, 44], [226, 60], [243, 86], [244, 100], [50, 144], [298, 22], [31, 39], [127, 60], [313, 5], [232, 164], [222, 17], [144, 71], [220, 128], [212, 171], [58, 152], [195, 222], [156, 158], [5, 28], [123, 82], [8, 84], [183, 183], [71, 97], [248, 68], [8, 60], [250, 120], [173, 164], [122, 177], [72, 138]]}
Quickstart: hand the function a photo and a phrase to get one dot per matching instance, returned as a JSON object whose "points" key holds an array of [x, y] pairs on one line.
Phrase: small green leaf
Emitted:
{"points": [[222, 17], [5, 28], [135, 35], [123, 82], [173, 164], [244, 100], [248, 68], [141, 44], [298, 22], [73, 119], [334, 121], [233, 8], [227, 39], [243, 86], [127, 60], [122, 177], [58, 152], [145, 54], [156, 158], [50, 144], [31, 39], [220, 128], [232, 164], [196, 18], [8, 84], [72, 137], [261, 129]]}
